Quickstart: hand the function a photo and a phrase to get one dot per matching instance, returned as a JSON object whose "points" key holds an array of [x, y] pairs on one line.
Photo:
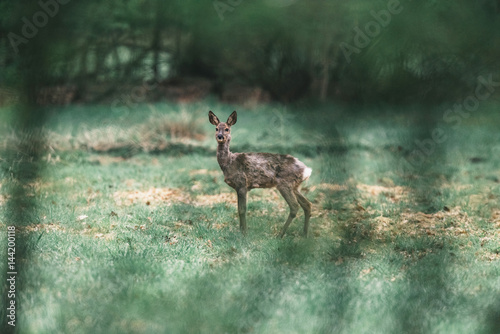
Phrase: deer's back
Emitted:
{"points": [[264, 170]]}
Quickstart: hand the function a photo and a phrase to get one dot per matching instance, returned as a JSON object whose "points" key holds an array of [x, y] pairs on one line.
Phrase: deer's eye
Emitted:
{"points": [[227, 129], [216, 129]]}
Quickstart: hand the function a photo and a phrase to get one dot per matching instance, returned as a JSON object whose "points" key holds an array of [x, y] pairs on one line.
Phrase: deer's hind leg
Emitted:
{"points": [[306, 206], [289, 196]]}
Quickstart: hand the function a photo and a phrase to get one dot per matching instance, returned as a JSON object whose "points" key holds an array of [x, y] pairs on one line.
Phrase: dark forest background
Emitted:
{"points": [[354, 51]]}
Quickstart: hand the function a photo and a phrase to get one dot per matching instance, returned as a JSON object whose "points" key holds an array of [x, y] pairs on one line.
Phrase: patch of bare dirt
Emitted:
{"points": [[394, 194], [495, 218], [452, 222], [204, 172], [48, 227], [329, 186], [484, 198], [152, 196], [167, 196], [105, 236], [214, 199]]}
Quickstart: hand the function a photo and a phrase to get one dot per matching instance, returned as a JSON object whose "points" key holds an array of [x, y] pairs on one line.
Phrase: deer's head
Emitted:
{"points": [[222, 130]]}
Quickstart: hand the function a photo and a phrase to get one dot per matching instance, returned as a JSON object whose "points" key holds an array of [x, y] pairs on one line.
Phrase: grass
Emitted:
{"points": [[135, 230]]}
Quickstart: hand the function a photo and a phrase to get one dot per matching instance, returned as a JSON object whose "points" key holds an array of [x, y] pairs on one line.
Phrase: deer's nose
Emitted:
{"points": [[220, 137]]}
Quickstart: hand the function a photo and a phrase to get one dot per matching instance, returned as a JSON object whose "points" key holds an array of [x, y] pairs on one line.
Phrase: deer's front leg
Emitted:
{"points": [[242, 208]]}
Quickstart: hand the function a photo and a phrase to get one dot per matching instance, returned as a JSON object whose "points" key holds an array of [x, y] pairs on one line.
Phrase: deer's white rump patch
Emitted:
{"points": [[307, 172]]}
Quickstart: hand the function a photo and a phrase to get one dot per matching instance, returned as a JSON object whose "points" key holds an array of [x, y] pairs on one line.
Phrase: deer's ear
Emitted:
{"points": [[231, 120], [213, 119]]}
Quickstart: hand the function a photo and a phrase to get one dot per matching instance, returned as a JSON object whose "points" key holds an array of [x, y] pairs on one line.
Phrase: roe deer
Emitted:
{"points": [[246, 171]]}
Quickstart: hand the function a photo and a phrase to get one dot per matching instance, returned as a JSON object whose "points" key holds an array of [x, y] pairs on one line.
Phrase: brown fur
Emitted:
{"points": [[246, 171]]}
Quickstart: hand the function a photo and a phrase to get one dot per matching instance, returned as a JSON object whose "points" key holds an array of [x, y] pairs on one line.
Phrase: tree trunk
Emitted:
{"points": [[326, 61], [156, 43]]}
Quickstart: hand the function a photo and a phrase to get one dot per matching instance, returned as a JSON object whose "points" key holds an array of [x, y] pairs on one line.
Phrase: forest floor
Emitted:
{"points": [[135, 230]]}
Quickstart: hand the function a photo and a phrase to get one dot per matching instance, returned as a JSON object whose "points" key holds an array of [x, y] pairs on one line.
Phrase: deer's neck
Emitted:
{"points": [[224, 156]]}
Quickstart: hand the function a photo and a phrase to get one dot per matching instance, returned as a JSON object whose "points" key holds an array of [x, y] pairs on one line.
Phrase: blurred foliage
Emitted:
{"points": [[424, 51]]}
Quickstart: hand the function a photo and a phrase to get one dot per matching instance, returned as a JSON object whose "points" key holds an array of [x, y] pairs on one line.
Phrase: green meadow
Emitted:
{"points": [[134, 230]]}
